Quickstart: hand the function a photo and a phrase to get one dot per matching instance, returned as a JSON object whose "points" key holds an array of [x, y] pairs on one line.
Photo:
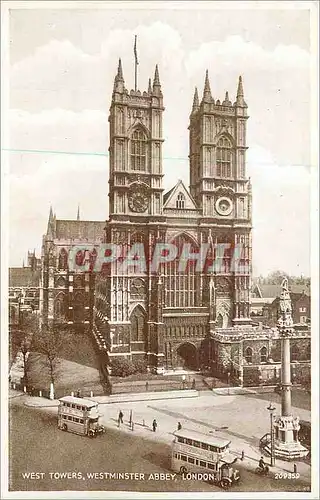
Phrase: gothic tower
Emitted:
{"points": [[131, 323], [135, 185], [219, 186]]}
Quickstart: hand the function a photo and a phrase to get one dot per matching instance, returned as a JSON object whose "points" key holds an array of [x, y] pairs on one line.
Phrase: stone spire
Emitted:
{"points": [[119, 80], [207, 97], [50, 226], [78, 213], [149, 87], [227, 101], [240, 94], [156, 82], [120, 73], [195, 105]]}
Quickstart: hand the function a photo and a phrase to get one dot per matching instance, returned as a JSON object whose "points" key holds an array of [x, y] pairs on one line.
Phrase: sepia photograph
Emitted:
{"points": [[159, 249]]}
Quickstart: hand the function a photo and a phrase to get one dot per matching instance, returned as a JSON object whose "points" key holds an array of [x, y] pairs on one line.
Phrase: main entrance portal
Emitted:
{"points": [[188, 356]]}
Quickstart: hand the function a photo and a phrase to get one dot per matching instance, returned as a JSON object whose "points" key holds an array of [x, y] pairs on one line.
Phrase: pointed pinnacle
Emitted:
{"points": [[227, 96], [78, 213], [156, 80], [207, 97], [120, 74], [240, 88], [149, 87], [195, 104], [51, 213], [240, 94]]}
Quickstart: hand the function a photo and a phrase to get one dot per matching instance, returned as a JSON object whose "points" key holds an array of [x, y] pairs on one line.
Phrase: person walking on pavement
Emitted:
{"points": [[154, 425], [120, 418]]}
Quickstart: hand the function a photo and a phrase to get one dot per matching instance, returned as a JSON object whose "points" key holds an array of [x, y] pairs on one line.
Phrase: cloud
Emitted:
{"points": [[235, 52]]}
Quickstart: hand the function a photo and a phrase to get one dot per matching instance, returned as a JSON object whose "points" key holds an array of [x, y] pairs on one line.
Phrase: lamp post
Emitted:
{"points": [[271, 410], [228, 383]]}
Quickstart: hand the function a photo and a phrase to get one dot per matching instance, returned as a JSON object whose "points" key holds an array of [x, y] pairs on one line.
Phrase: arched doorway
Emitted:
{"points": [[187, 353]]}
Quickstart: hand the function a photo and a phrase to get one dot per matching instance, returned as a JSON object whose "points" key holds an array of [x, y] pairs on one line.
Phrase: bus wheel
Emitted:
{"points": [[183, 470], [225, 484], [64, 427]]}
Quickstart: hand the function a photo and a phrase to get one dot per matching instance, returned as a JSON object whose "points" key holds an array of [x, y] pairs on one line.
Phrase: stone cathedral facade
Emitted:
{"points": [[169, 319]]}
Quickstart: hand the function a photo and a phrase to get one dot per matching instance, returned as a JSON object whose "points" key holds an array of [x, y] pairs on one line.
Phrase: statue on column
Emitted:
{"points": [[285, 319]]}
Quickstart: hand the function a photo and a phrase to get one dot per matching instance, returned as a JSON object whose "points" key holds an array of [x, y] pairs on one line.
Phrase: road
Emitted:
{"points": [[36, 445]]}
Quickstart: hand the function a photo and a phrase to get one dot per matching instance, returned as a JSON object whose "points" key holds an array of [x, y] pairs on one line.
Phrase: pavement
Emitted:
{"points": [[236, 417]]}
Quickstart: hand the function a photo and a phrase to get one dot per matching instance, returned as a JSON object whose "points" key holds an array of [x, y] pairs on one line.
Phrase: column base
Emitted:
{"points": [[287, 451]]}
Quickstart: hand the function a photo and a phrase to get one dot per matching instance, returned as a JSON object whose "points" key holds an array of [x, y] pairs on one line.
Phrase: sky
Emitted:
{"points": [[62, 67]]}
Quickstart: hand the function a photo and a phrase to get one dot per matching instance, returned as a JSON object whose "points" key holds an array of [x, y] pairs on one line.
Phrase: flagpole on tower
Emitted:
{"points": [[136, 62]]}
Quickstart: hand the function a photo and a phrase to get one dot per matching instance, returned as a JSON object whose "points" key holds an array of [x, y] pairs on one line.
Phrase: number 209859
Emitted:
{"points": [[287, 475]]}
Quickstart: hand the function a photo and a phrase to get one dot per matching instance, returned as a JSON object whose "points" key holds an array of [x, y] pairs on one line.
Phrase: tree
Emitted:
{"points": [[25, 350], [49, 342]]}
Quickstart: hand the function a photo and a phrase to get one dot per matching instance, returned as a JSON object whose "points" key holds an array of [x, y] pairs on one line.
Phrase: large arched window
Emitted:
{"points": [[138, 150], [263, 355], [63, 260], [138, 322], [248, 355], [181, 200], [224, 157], [181, 282]]}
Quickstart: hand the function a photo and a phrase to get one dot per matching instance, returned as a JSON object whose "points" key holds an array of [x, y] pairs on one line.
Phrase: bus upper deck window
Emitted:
{"points": [[83, 408], [189, 441], [204, 446], [213, 448], [180, 440]]}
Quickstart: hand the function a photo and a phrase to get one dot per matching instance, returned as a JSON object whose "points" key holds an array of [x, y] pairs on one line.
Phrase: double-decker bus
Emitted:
{"points": [[203, 456], [79, 415]]}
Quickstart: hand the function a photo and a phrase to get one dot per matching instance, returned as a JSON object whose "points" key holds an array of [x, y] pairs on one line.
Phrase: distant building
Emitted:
{"points": [[24, 289], [265, 303], [67, 297]]}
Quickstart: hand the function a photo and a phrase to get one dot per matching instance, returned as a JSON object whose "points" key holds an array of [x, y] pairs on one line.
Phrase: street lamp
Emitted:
{"points": [[271, 410], [228, 383]]}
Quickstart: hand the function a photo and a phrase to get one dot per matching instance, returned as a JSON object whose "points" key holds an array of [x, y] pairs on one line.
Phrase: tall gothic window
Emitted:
{"points": [[138, 150], [137, 320], [181, 285], [63, 260], [224, 157], [263, 355], [248, 355], [181, 200]]}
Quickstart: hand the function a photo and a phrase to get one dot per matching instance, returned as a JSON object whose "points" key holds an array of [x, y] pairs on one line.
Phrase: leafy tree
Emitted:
{"points": [[49, 341]]}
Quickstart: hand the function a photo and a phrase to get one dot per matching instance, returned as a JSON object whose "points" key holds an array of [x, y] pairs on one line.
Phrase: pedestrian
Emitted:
{"points": [[179, 426], [120, 418], [147, 386], [154, 425], [193, 384]]}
